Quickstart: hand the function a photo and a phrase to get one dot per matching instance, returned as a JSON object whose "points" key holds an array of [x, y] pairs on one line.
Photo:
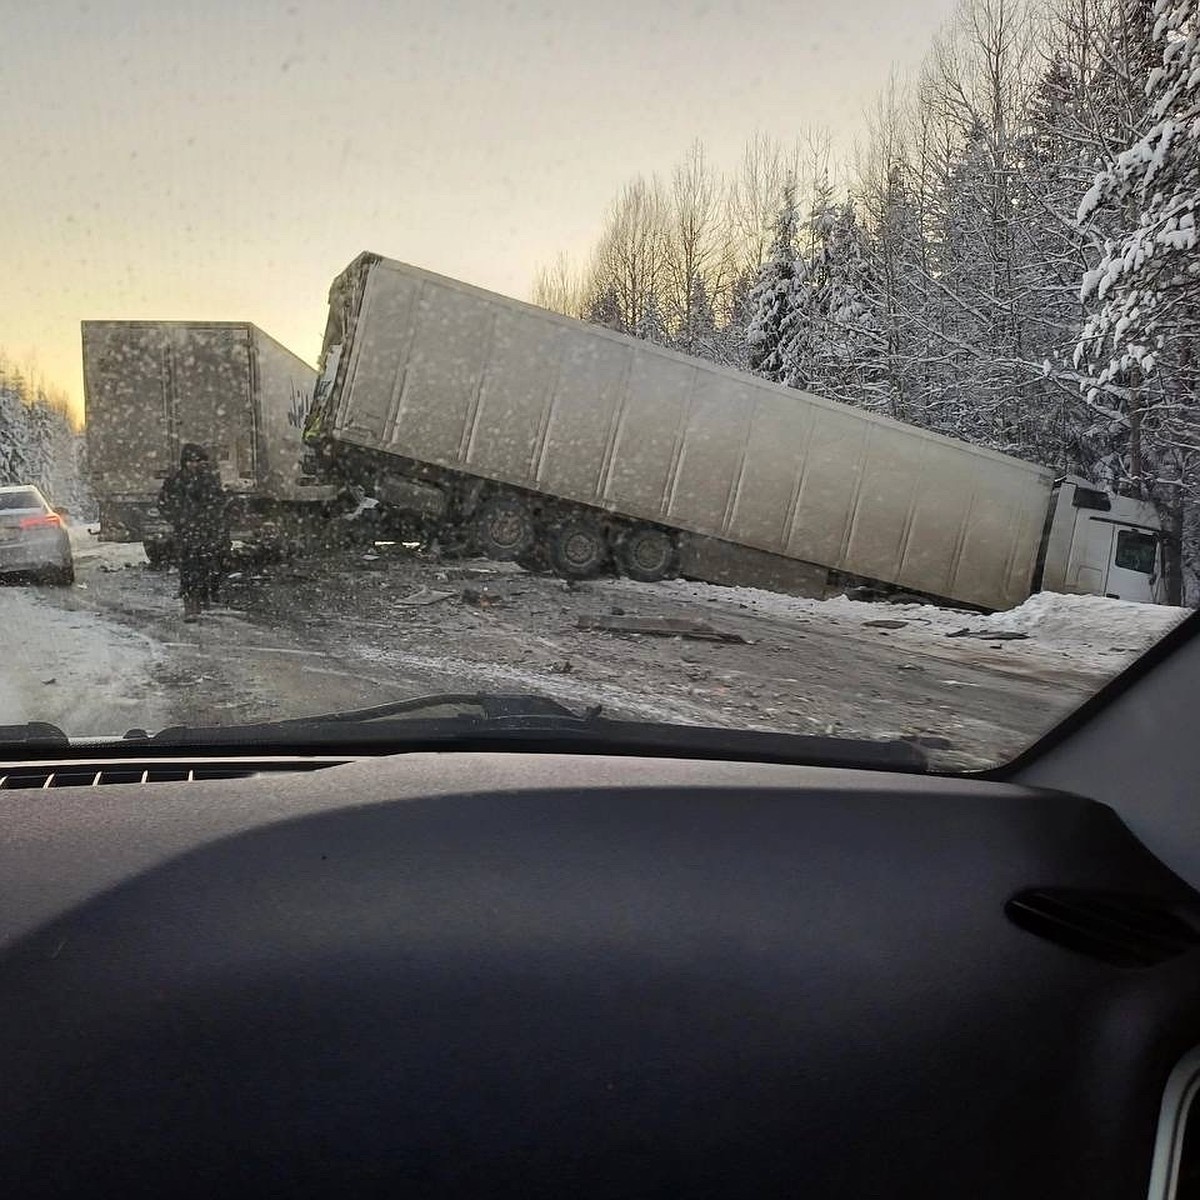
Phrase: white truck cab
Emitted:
{"points": [[1102, 545]]}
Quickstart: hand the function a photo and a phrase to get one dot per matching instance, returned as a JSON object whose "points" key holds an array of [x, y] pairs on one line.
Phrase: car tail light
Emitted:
{"points": [[42, 522]]}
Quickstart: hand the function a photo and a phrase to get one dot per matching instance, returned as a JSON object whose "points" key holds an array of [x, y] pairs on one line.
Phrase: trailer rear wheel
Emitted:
{"points": [[647, 554], [504, 528], [578, 549]]}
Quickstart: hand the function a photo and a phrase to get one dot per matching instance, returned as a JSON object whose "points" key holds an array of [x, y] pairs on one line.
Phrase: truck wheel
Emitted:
{"points": [[647, 554], [577, 549], [504, 528]]}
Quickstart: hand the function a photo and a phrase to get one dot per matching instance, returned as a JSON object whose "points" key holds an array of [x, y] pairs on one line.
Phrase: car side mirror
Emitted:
{"points": [[63, 512]]}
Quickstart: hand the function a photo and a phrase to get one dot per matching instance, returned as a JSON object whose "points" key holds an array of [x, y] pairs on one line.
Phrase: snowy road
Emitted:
{"points": [[349, 631], [74, 669]]}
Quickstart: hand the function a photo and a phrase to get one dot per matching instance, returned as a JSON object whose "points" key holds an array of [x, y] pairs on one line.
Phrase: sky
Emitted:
{"points": [[224, 160]]}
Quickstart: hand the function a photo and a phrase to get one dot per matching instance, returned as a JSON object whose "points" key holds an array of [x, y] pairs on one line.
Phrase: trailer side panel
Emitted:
{"points": [[444, 373]]}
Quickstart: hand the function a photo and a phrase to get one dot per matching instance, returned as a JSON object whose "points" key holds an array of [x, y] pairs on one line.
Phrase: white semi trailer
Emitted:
{"points": [[544, 435], [150, 386]]}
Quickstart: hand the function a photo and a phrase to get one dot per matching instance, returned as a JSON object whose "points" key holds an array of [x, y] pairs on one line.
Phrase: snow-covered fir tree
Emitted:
{"points": [[604, 308], [834, 340], [651, 325], [773, 299], [697, 332], [1142, 334]]}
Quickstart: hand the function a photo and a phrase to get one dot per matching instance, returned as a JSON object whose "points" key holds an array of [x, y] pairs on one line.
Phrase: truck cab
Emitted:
{"points": [[1103, 545]]}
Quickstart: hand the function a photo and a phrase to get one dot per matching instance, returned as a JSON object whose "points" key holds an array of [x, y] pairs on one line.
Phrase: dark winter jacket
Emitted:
{"points": [[193, 500]]}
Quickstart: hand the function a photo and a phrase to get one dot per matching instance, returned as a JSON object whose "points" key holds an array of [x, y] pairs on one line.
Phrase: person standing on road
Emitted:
{"points": [[193, 501]]}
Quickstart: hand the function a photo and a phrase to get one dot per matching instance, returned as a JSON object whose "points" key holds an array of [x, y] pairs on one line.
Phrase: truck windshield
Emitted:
{"points": [[827, 373]]}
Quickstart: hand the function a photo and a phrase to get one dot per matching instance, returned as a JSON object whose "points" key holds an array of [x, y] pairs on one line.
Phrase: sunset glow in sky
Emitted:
{"points": [[225, 160]]}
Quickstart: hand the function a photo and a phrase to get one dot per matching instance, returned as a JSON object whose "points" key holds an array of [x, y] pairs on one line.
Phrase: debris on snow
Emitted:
{"points": [[672, 627], [424, 596], [480, 597], [1002, 636], [364, 505]]}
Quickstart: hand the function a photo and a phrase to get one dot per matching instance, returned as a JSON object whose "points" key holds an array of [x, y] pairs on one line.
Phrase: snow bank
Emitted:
{"points": [[1091, 628], [1087, 621]]}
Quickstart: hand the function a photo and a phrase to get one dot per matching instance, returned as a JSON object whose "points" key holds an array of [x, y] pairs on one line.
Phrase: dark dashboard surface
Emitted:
{"points": [[550, 975]]}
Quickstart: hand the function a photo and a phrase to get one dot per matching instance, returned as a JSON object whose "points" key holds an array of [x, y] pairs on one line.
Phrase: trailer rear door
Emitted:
{"points": [[213, 393]]}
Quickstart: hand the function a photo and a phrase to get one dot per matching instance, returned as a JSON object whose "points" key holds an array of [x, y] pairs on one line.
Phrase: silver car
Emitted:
{"points": [[33, 536]]}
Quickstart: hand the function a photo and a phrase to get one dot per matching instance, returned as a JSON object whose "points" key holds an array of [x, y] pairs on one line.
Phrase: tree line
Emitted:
{"points": [[38, 443], [1009, 257]]}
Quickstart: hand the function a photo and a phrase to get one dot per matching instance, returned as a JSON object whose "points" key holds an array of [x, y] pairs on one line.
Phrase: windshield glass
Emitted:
{"points": [[825, 370]]}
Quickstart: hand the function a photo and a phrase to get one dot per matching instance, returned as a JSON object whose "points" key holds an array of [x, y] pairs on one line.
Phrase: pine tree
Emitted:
{"points": [[651, 326], [773, 297], [696, 334], [835, 342], [605, 309]]}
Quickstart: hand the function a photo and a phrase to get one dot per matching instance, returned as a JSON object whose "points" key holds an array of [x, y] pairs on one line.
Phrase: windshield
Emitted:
{"points": [[825, 371]]}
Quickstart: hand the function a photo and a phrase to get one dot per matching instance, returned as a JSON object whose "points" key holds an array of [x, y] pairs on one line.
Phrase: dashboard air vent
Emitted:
{"points": [[101, 774], [1124, 930]]}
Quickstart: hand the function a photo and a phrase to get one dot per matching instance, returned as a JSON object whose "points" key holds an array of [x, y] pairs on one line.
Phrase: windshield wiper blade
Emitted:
{"points": [[533, 723], [33, 733], [491, 707], [494, 706]]}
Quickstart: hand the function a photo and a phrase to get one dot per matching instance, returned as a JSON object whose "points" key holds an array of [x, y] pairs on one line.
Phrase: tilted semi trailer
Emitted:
{"points": [[540, 434]]}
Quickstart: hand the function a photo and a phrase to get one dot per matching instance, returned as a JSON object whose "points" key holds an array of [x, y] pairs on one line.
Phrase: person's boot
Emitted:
{"points": [[191, 608]]}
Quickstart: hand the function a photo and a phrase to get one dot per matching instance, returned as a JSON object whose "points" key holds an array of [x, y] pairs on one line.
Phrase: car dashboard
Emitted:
{"points": [[523, 974]]}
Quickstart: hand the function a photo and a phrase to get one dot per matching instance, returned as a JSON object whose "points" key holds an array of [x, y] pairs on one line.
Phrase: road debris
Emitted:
{"points": [[989, 635], [885, 624], [422, 596], [672, 627], [480, 597]]}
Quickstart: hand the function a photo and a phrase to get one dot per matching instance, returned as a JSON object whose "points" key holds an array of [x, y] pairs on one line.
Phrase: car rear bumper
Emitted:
{"points": [[34, 553]]}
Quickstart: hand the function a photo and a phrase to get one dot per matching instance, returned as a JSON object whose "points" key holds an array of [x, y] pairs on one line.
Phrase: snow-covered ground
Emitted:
{"points": [[1093, 633], [77, 670]]}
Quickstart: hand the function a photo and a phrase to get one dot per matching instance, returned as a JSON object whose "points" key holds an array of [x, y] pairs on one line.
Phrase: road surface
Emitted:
{"points": [[367, 627]]}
